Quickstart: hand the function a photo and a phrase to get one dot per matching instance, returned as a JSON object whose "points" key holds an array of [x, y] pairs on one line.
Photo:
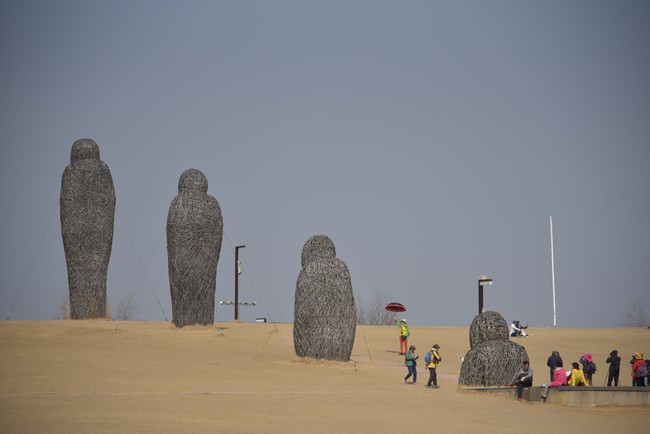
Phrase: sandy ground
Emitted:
{"points": [[146, 377]]}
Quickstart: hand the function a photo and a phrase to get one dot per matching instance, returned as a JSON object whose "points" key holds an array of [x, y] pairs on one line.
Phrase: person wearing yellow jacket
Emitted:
{"points": [[404, 334], [577, 377], [433, 363]]}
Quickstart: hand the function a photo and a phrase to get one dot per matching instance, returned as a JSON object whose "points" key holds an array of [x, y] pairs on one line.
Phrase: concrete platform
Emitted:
{"points": [[533, 394], [575, 396], [591, 396]]}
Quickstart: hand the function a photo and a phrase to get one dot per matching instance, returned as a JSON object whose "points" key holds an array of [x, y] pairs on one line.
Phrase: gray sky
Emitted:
{"points": [[431, 141]]}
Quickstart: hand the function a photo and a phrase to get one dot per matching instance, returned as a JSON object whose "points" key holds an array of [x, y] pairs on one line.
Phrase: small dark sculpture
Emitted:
{"points": [[324, 311], [492, 359], [87, 216], [194, 235]]}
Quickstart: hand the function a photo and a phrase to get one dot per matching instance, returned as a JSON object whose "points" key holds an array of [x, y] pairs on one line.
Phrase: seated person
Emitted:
{"points": [[559, 379], [523, 378], [516, 330], [577, 376]]}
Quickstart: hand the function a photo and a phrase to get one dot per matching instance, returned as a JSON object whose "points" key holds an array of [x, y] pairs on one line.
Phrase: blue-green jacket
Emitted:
{"points": [[410, 358]]}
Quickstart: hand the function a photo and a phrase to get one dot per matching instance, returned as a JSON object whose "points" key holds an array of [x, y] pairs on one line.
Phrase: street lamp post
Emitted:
{"points": [[482, 281], [237, 273]]}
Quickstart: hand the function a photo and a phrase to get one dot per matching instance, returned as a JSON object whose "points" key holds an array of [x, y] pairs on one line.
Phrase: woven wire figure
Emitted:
{"points": [[324, 311], [488, 326], [492, 359], [317, 247], [194, 235], [87, 203]]}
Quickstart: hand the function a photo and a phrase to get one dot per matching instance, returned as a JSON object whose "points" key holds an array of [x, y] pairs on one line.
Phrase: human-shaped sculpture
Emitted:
{"points": [[492, 359], [194, 234], [87, 205], [325, 320]]}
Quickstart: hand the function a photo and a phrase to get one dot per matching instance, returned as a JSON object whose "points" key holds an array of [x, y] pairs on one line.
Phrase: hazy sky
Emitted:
{"points": [[430, 140]]}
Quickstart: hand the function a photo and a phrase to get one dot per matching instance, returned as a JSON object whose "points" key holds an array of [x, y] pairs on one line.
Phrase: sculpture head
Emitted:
{"points": [[193, 180], [84, 149], [487, 326], [317, 247]]}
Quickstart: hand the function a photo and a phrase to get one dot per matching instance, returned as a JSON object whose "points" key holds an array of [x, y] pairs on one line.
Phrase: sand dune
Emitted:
{"points": [[144, 377]]}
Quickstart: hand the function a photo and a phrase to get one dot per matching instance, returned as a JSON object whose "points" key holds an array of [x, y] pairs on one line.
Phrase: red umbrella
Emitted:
{"points": [[395, 307]]}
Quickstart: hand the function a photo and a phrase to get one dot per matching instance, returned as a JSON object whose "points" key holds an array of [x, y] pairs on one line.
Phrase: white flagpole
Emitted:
{"points": [[553, 275]]}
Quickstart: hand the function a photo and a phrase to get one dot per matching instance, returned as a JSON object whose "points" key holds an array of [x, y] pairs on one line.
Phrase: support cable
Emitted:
{"points": [[29, 269], [144, 269]]}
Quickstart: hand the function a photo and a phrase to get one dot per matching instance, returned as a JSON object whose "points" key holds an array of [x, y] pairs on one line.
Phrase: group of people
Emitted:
{"points": [[581, 373], [516, 329], [431, 359]]}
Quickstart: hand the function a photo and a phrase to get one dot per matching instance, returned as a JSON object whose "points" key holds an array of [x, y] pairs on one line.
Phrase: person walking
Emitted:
{"points": [[614, 368], [523, 378], [434, 358], [410, 362], [553, 361], [404, 334], [588, 367]]}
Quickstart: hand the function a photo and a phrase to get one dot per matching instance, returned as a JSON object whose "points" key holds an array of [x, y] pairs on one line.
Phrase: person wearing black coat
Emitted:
{"points": [[553, 361], [614, 368]]}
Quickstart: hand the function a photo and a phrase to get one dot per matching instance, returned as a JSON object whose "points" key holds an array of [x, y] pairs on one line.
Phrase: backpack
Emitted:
{"points": [[427, 357], [642, 371], [592, 368]]}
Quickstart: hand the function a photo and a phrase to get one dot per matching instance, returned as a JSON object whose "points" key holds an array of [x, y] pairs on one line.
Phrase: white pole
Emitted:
{"points": [[553, 275]]}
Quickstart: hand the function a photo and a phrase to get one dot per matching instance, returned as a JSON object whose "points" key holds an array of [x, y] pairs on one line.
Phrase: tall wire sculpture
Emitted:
{"points": [[87, 219], [324, 311], [492, 359], [194, 235]]}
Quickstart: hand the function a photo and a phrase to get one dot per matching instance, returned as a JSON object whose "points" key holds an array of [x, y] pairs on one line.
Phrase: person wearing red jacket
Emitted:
{"points": [[639, 371], [559, 379]]}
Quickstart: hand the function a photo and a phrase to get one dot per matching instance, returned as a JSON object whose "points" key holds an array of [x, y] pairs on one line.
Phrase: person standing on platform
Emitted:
{"points": [[553, 361], [614, 368]]}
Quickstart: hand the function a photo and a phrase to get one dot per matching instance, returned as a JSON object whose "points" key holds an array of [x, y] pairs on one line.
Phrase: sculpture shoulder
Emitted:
{"points": [[326, 265]]}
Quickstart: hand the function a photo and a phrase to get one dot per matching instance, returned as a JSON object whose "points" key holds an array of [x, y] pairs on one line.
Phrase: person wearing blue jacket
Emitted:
{"points": [[554, 361]]}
